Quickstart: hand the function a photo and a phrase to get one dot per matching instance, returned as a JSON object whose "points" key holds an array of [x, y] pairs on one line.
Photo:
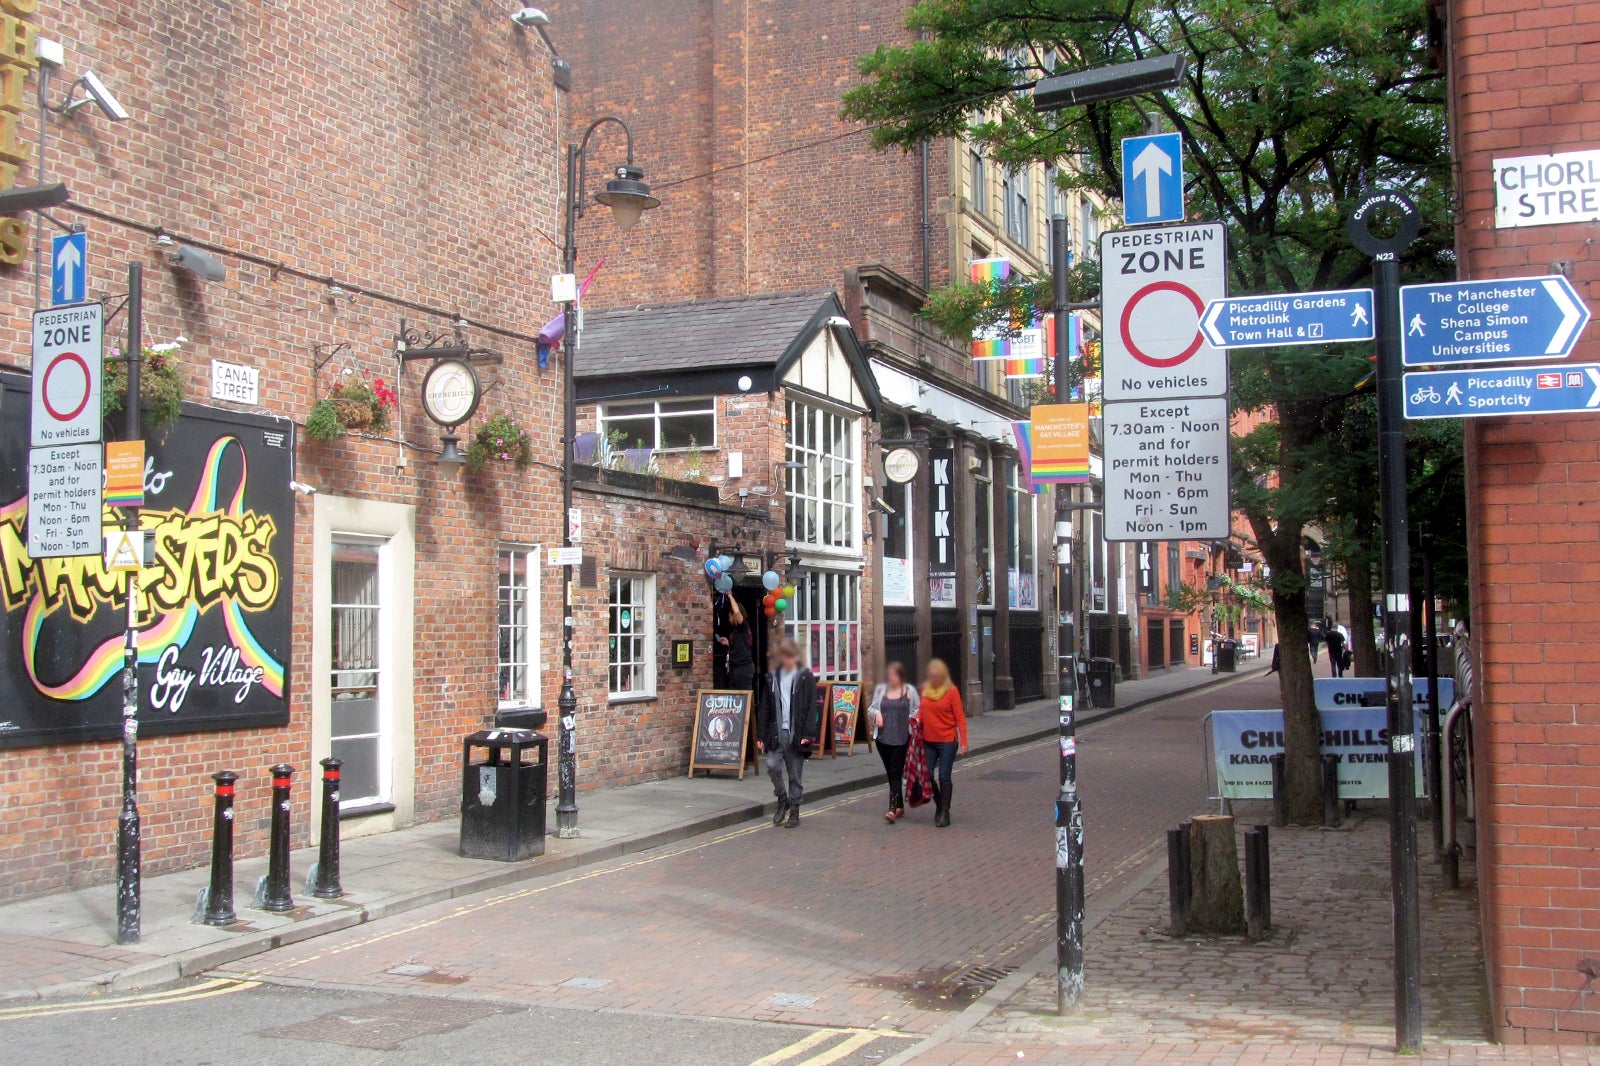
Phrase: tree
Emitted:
{"points": [[1287, 112]]}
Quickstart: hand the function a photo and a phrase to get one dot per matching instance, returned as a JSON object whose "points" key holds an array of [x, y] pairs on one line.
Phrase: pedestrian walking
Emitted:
{"points": [[1336, 646], [944, 733], [788, 720], [894, 704], [1314, 637]]}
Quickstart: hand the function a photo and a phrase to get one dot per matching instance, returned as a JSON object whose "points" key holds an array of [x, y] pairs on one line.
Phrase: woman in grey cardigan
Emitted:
{"points": [[894, 704]]}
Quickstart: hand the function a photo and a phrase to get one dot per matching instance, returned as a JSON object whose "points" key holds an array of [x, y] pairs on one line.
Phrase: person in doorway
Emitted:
{"points": [[944, 731], [740, 641], [788, 719], [1336, 646], [894, 704]]}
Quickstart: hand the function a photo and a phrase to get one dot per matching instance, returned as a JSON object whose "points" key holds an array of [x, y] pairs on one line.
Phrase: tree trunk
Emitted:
{"points": [[1358, 577], [1302, 725], [1216, 892]]}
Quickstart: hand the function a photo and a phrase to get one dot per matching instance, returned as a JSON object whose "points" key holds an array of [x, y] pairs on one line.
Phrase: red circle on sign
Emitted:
{"points": [[65, 357], [1127, 314]]}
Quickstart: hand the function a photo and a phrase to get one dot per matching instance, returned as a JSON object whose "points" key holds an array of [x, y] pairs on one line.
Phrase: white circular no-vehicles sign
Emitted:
{"points": [[1155, 285], [67, 363]]}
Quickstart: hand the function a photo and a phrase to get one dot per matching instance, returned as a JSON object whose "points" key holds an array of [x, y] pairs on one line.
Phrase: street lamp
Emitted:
{"points": [[1101, 84], [628, 197]]}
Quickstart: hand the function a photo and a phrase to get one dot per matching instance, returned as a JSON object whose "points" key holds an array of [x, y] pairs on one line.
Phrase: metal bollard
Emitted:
{"points": [[1254, 917], [325, 876], [1178, 883], [219, 897], [1266, 875], [1451, 866], [1280, 797], [275, 896], [1330, 791]]}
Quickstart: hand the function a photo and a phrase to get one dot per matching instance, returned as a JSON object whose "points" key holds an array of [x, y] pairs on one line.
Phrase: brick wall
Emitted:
{"points": [[1522, 85]]}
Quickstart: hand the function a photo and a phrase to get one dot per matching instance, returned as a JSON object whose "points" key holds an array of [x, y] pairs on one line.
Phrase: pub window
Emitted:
{"points": [[824, 501], [632, 636], [825, 620], [1022, 520], [519, 627], [665, 425]]}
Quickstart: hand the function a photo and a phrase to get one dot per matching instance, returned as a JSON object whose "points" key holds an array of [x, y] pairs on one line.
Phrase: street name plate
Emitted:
{"points": [[1166, 470], [64, 501]]}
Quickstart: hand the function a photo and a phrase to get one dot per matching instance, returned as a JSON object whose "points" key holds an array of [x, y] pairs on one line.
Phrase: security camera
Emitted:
{"points": [[102, 97], [882, 504], [530, 16], [199, 263], [302, 488]]}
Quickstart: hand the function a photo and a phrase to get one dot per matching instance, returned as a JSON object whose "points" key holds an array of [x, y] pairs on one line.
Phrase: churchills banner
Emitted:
{"points": [[213, 611]]}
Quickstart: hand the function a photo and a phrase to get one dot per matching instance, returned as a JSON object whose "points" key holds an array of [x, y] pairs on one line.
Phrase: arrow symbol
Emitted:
{"points": [[67, 265], [1208, 325], [1150, 164], [1573, 315], [1594, 379]]}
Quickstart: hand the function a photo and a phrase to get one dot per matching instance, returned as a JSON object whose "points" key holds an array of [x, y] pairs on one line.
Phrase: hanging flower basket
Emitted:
{"points": [[358, 401], [501, 439], [160, 385]]}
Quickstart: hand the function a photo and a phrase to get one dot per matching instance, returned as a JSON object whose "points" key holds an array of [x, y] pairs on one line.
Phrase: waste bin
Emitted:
{"points": [[1227, 656], [1103, 682], [504, 773]]}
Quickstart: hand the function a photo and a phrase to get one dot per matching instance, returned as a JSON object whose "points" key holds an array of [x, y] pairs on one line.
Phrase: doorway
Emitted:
{"points": [[749, 598]]}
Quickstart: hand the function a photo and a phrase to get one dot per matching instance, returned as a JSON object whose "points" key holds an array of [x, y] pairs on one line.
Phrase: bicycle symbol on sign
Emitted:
{"points": [[1426, 394]]}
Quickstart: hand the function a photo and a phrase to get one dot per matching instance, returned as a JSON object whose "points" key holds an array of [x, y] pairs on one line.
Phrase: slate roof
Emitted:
{"points": [[739, 331]]}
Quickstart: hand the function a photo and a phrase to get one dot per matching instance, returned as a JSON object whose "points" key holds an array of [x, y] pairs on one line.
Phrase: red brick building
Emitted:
{"points": [[1522, 88]]}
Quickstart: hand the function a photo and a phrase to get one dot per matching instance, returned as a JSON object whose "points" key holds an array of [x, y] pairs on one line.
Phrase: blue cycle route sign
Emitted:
{"points": [[1490, 321], [1336, 317], [1546, 389]]}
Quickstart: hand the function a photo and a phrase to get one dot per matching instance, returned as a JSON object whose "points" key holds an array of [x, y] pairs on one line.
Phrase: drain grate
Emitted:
{"points": [[984, 978], [1362, 883], [586, 982], [791, 1001]]}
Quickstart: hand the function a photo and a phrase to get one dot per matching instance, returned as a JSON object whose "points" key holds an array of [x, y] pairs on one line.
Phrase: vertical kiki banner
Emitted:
{"points": [[941, 539], [214, 605]]}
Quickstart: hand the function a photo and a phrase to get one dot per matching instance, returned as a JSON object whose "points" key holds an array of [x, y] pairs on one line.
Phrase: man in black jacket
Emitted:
{"points": [[788, 721]]}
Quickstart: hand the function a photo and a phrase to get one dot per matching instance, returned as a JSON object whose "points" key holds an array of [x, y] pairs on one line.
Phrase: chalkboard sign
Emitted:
{"points": [[843, 707], [721, 725]]}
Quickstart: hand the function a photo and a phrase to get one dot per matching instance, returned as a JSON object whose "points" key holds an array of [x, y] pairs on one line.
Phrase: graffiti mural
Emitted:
{"points": [[214, 604]]}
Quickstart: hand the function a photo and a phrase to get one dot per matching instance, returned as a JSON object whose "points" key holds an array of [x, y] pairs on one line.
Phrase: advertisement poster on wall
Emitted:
{"points": [[941, 537], [214, 606]]}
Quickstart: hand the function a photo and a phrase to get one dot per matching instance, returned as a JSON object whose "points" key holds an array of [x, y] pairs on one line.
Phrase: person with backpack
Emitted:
{"points": [[894, 704], [788, 722]]}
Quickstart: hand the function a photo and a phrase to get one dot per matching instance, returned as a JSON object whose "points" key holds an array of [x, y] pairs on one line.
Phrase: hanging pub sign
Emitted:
{"points": [[941, 538], [214, 605]]}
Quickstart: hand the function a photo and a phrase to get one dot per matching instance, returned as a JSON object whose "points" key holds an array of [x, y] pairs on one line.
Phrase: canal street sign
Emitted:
{"points": [[1166, 470], [1156, 285], [1544, 389], [1337, 317], [1152, 179], [1542, 190], [1490, 321]]}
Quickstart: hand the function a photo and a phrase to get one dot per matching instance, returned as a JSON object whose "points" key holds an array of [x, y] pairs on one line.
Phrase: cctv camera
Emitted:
{"points": [[197, 262], [302, 488], [530, 16], [102, 96], [883, 505]]}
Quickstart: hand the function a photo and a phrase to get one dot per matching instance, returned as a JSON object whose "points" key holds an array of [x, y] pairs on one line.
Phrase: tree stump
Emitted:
{"points": [[1216, 892]]}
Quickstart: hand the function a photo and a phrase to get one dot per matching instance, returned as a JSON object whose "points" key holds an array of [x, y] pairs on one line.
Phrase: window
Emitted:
{"points": [[897, 533], [632, 634], [1022, 522], [359, 724], [1055, 203], [983, 532], [1174, 567], [823, 499], [1089, 229], [825, 619], [519, 627], [1014, 191], [977, 181], [665, 425]]}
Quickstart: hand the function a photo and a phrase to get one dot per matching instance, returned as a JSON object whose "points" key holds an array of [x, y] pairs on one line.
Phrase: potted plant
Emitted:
{"points": [[356, 401], [160, 384], [501, 439]]}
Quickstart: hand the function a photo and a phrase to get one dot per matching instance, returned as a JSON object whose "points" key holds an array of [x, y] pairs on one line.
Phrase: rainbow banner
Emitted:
{"points": [[990, 347], [1023, 432], [1025, 368], [989, 271], [1060, 439]]}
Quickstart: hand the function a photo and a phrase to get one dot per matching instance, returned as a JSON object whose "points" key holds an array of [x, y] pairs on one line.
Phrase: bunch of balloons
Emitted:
{"points": [[779, 595], [717, 569]]}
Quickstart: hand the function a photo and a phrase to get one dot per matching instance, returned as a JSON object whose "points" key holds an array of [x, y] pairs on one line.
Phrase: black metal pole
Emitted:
{"points": [[1435, 763], [326, 885], [128, 863], [276, 896], [1397, 642], [219, 897], [1061, 300], [567, 701]]}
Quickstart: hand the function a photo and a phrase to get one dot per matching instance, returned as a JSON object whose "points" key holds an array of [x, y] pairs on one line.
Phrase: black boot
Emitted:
{"points": [[781, 813], [794, 818], [938, 803], [942, 817]]}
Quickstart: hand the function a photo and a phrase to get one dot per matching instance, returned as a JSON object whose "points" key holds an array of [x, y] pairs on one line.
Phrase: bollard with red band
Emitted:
{"points": [[275, 894], [325, 879], [219, 897]]}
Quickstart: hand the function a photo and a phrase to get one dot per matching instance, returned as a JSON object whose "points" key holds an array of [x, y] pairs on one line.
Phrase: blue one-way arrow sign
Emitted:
{"points": [[1546, 389], [69, 254], [1152, 179], [1336, 317], [1490, 321]]}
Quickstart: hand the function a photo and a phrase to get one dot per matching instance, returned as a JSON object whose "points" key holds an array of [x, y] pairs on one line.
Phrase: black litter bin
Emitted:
{"points": [[1227, 656], [504, 773], [1103, 682]]}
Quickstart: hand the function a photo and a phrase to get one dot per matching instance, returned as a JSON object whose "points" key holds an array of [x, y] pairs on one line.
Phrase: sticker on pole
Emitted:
{"points": [[67, 368], [1156, 286], [124, 551]]}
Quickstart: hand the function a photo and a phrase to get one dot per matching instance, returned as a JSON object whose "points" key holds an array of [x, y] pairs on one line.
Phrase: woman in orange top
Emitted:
{"points": [[944, 732]]}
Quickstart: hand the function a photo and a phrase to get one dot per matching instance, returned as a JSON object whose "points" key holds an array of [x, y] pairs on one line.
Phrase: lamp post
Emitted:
{"points": [[628, 197]]}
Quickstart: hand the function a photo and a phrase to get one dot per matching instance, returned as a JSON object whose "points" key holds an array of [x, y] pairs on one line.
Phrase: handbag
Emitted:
{"points": [[918, 778]]}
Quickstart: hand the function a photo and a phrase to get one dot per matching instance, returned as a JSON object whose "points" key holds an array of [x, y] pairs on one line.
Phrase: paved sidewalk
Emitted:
{"points": [[64, 944]]}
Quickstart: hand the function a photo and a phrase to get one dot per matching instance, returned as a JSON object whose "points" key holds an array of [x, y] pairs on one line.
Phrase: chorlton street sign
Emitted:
{"points": [[1544, 389], [1541, 190], [1336, 317], [1490, 321]]}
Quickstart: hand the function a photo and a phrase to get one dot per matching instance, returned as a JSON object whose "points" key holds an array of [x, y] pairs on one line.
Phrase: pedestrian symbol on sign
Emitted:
{"points": [[1415, 329], [1358, 315], [1453, 394]]}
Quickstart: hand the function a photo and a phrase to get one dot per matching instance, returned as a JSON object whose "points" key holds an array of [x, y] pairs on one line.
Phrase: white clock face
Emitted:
{"points": [[900, 465], [450, 392]]}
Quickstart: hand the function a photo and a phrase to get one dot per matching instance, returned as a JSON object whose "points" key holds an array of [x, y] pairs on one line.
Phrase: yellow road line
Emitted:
{"points": [[799, 1047], [204, 990], [843, 1049]]}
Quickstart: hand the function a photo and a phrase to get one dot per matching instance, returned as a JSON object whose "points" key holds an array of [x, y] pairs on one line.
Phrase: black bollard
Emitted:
{"points": [[1330, 791], [1266, 876], [326, 885], [1255, 920], [1178, 884], [219, 897], [1452, 866], [1280, 797], [276, 895]]}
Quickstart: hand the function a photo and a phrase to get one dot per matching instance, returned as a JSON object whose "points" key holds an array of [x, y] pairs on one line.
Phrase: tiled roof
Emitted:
{"points": [[702, 334]]}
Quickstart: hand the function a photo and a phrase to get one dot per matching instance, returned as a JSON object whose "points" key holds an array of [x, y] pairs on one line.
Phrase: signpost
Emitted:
{"points": [[1544, 389], [69, 279], [1166, 470], [1490, 321], [1152, 179], [1156, 285], [1337, 317]]}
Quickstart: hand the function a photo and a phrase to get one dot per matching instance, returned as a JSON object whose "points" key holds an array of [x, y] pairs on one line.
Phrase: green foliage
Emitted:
{"points": [[160, 385], [322, 424], [501, 438]]}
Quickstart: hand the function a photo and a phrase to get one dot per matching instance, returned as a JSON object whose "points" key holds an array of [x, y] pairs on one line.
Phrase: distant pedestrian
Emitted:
{"points": [[1314, 638], [788, 720], [1274, 667], [894, 704], [944, 731], [1336, 646]]}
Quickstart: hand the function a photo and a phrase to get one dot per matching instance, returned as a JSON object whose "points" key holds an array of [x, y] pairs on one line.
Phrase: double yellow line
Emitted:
{"points": [[855, 1040], [187, 994]]}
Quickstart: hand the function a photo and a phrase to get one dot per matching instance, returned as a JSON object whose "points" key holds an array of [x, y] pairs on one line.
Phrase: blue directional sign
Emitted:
{"points": [[1337, 317], [69, 281], [1545, 389], [1152, 179], [1490, 321]]}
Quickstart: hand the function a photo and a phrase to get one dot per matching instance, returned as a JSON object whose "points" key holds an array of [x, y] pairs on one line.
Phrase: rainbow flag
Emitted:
{"points": [[1024, 368], [989, 271], [985, 347], [1023, 431]]}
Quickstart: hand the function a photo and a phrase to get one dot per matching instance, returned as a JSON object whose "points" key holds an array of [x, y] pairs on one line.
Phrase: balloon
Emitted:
{"points": [[724, 583], [769, 600], [782, 605], [772, 612], [788, 590], [724, 563], [713, 571], [770, 579]]}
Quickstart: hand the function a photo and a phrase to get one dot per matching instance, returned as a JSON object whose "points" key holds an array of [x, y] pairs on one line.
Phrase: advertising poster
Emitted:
{"points": [[721, 725], [214, 604], [1060, 443], [941, 537], [844, 707], [1243, 743]]}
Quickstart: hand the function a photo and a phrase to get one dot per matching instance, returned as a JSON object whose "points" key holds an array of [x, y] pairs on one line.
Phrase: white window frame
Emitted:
{"points": [[530, 695], [1022, 501], [645, 664], [983, 499], [978, 178], [800, 492], [910, 557], [384, 687], [1015, 220], [816, 615], [603, 420]]}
